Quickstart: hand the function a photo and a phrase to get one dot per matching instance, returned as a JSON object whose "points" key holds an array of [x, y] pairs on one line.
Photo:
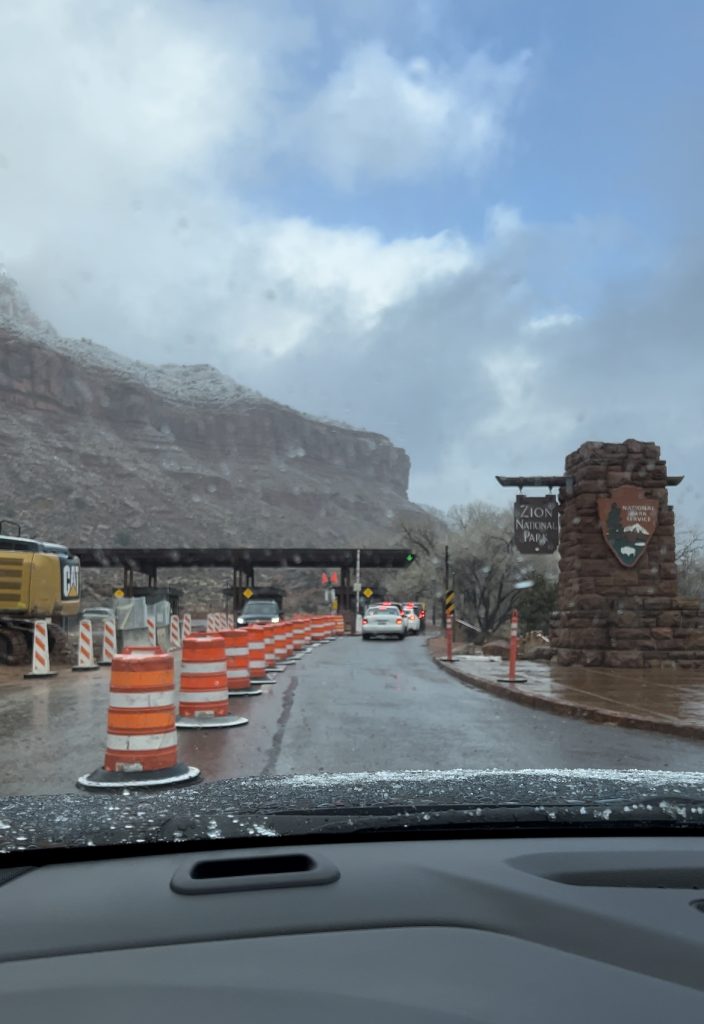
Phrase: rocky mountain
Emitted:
{"points": [[99, 449]]}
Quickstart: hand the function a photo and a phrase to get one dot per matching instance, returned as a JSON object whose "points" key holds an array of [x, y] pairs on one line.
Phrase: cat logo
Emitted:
{"points": [[70, 581]]}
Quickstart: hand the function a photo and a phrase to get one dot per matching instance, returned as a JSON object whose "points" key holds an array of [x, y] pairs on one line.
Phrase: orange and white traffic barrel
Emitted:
{"points": [[40, 652], [268, 631], [278, 632], [237, 657], [258, 637], [142, 747], [340, 625], [109, 642], [187, 628], [203, 700], [86, 659]]}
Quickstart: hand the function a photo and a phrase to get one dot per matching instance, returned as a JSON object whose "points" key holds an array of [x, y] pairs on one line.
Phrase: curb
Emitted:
{"points": [[572, 710]]}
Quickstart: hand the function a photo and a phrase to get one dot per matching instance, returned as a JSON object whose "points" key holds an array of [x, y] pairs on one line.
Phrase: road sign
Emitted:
{"points": [[248, 592], [368, 592], [118, 593], [535, 525], [450, 602]]}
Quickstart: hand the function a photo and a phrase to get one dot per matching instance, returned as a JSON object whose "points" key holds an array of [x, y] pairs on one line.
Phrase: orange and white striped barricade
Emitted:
{"points": [[109, 642], [86, 658], [187, 628], [259, 638], [230, 621], [222, 621], [211, 623], [41, 666], [174, 633], [203, 700], [151, 632], [237, 656], [142, 747]]}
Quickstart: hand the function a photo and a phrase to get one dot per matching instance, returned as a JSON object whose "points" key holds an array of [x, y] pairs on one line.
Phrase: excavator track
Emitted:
{"points": [[13, 647]]}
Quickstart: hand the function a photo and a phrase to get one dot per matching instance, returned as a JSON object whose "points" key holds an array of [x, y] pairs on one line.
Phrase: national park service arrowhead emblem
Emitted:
{"points": [[628, 520]]}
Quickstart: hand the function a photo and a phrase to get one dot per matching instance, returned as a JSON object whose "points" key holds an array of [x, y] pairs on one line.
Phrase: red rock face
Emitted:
{"points": [[610, 615], [97, 450]]}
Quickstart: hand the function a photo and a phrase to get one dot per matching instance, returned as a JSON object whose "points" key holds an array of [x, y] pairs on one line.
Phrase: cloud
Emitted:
{"points": [[384, 119], [549, 321], [145, 163]]}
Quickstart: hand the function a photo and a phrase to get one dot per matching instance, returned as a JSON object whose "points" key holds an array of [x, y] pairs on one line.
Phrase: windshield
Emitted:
{"points": [[260, 608], [350, 398]]}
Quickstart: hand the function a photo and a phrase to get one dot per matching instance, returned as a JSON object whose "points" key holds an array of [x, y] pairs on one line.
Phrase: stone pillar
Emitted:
{"points": [[608, 614]]}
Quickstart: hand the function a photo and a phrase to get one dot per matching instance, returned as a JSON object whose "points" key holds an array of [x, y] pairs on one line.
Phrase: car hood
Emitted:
{"points": [[305, 805]]}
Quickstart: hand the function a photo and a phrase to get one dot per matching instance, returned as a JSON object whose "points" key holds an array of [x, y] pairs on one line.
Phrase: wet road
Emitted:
{"points": [[347, 706]]}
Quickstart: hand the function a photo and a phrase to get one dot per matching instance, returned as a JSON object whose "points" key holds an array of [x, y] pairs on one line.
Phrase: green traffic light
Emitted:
{"points": [[410, 556]]}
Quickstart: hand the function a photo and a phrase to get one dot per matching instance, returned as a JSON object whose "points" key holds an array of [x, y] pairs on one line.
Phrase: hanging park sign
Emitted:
{"points": [[535, 525], [628, 520]]}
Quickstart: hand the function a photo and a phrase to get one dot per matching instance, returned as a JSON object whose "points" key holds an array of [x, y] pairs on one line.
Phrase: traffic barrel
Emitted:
{"points": [[203, 700], [318, 630], [279, 632], [41, 665], [268, 631], [259, 638], [299, 635], [340, 625], [109, 642], [142, 747], [174, 633], [239, 681], [187, 628], [86, 659]]}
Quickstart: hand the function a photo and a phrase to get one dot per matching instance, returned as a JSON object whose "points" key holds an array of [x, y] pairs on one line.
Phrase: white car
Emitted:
{"points": [[413, 623], [383, 620]]}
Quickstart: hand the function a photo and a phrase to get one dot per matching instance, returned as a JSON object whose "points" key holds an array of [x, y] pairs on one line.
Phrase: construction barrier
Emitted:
{"points": [[174, 633], [109, 642], [187, 628], [40, 652], [86, 659], [237, 657], [299, 635], [142, 748], [203, 700], [319, 630], [212, 623], [340, 625], [259, 639], [151, 631], [279, 647], [230, 621]]}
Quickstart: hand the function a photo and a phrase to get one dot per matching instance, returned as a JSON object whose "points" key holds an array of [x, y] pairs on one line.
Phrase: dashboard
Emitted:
{"points": [[478, 929]]}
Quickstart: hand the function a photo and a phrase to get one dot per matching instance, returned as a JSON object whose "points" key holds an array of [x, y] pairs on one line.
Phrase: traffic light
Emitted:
{"points": [[410, 556]]}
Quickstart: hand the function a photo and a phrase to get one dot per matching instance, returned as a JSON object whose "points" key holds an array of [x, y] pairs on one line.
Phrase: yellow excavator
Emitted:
{"points": [[38, 580]]}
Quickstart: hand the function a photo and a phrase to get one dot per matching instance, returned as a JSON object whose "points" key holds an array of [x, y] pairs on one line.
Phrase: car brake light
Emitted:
{"points": [[365, 622], [399, 622]]}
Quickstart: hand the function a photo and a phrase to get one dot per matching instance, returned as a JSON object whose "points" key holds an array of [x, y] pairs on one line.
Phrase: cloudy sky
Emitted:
{"points": [[474, 226]]}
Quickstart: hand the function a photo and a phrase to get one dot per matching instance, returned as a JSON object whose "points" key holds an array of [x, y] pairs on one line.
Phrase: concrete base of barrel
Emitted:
{"points": [[219, 722], [102, 779]]}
